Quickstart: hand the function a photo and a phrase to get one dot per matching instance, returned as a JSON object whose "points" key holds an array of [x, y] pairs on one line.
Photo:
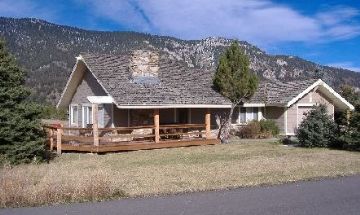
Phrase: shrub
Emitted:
{"points": [[269, 126], [251, 130], [51, 112], [317, 129]]}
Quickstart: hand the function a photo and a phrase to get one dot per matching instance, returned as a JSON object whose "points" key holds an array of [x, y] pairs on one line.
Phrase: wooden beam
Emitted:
{"points": [[157, 125], [58, 140], [51, 133], [113, 147], [207, 123], [95, 124]]}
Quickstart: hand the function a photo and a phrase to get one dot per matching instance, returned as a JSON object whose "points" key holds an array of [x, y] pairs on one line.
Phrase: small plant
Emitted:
{"points": [[317, 129], [269, 127], [251, 130], [258, 129]]}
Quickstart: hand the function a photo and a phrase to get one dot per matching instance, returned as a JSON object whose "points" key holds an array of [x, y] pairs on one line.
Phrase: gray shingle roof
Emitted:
{"points": [[177, 84], [275, 92]]}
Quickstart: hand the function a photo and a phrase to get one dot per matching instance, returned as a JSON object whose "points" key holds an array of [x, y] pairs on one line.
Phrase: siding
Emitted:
{"points": [[295, 113], [320, 98], [292, 116], [305, 99], [87, 87], [90, 87]]}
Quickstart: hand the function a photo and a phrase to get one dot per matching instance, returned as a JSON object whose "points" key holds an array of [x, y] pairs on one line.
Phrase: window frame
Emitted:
{"points": [[249, 111], [89, 118], [72, 122]]}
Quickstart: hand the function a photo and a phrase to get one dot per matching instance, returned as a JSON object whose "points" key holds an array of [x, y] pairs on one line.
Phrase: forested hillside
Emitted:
{"points": [[47, 52]]}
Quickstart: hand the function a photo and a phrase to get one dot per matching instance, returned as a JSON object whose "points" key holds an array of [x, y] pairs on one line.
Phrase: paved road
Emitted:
{"points": [[330, 196]]}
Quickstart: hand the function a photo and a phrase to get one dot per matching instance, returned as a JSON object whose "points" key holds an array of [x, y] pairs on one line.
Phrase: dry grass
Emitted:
{"points": [[86, 177]]}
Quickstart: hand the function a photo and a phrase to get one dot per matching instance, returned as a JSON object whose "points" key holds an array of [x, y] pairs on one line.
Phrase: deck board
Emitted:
{"points": [[117, 147]]}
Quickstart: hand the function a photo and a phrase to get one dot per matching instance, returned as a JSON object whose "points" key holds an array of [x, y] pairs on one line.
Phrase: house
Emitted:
{"points": [[144, 87]]}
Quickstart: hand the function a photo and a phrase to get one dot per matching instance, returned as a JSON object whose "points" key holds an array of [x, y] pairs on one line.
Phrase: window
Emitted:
{"points": [[242, 115], [88, 116], [248, 114], [74, 114]]}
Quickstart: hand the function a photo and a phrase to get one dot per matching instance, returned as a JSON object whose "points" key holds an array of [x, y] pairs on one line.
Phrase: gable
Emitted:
{"points": [[88, 86], [81, 84], [322, 92]]}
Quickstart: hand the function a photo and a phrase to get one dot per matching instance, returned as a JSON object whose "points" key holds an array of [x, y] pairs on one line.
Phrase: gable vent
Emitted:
{"points": [[144, 66]]}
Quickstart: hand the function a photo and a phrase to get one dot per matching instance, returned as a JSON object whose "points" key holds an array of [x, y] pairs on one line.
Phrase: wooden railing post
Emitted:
{"points": [[157, 125], [58, 139], [207, 123], [95, 124], [51, 135]]}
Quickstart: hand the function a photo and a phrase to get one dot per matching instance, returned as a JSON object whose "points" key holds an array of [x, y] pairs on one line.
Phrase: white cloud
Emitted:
{"points": [[260, 21], [345, 65]]}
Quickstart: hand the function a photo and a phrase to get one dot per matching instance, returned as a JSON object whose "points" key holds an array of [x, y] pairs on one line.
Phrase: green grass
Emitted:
{"points": [[87, 177]]}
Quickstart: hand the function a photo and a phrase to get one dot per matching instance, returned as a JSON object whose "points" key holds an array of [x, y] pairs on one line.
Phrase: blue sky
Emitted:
{"points": [[323, 31]]}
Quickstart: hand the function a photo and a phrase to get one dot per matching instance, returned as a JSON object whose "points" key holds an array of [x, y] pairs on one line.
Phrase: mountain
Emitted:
{"points": [[47, 53]]}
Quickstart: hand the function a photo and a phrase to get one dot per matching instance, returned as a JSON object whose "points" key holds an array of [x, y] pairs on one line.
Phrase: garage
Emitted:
{"points": [[302, 110]]}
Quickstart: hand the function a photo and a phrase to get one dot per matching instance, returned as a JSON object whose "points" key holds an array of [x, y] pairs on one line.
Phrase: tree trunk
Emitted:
{"points": [[224, 131]]}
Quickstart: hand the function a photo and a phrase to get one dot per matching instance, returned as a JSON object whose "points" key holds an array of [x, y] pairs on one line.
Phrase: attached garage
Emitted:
{"points": [[301, 113]]}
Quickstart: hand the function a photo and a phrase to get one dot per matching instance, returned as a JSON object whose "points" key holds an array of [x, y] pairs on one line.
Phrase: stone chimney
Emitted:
{"points": [[144, 66]]}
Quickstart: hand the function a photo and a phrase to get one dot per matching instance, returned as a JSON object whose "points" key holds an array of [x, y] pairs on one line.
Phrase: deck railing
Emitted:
{"points": [[64, 137]]}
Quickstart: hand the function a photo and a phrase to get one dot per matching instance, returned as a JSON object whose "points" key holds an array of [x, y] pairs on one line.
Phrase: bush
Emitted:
{"points": [[258, 129], [317, 129], [269, 126], [51, 112], [251, 130]]}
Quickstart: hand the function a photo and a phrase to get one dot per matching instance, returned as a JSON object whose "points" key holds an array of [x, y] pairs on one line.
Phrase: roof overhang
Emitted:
{"points": [[166, 106], [100, 99], [338, 101], [70, 87]]}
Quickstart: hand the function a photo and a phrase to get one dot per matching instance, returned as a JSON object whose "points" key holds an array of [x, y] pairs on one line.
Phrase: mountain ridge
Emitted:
{"points": [[47, 53]]}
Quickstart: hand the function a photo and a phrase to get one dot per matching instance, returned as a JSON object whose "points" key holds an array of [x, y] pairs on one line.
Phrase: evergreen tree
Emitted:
{"points": [[350, 134], [234, 80], [21, 135], [317, 129]]}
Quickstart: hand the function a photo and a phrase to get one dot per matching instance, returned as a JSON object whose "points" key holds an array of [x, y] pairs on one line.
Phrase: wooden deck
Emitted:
{"points": [[120, 139]]}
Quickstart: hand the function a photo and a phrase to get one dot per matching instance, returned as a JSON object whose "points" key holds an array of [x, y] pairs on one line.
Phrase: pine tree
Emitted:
{"points": [[234, 80], [21, 135], [350, 134], [317, 129]]}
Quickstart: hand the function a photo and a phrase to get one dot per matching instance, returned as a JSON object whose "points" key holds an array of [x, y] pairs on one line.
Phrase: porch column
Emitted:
{"points": [[207, 124], [157, 125], [95, 124], [59, 132], [51, 135]]}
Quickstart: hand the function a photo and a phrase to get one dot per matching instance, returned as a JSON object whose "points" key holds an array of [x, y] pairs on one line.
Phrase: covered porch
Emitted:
{"points": [[136, 134]]}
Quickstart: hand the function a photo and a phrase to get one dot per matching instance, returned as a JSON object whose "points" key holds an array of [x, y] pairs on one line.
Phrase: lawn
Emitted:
{"points": [[87, 177]]}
